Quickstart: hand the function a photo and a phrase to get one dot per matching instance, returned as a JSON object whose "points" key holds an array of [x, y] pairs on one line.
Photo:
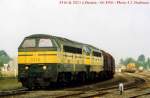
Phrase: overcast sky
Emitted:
{"points": [[122, 30]]}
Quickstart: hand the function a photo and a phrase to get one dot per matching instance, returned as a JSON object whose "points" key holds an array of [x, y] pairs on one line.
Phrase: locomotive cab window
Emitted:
{"points": [[45, 43], [29, 43], [97, 54]]}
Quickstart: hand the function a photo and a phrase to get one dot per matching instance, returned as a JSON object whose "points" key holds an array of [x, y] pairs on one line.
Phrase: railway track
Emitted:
{"points": [[140, 95], [13, 92], [84, 91], [103, 91]]}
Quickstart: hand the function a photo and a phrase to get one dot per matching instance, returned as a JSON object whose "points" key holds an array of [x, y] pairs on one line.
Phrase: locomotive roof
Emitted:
{"points": [[38, 36], [64, 41]]}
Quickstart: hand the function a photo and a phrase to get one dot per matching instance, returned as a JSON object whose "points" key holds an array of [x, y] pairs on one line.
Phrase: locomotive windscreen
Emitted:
{"points": [[45, 43], [29, 43], [42, 42]]}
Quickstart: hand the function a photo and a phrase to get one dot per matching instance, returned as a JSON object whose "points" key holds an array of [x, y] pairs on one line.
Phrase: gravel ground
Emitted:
{"points": [[9, 83], [137, 89]]}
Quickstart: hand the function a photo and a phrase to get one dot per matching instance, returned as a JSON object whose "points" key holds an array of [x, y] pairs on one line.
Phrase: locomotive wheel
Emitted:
{"points": [[81, 77], [107, 75], [60, 78], [24, 84], [102, 75], [30, 84], [110, 73], [67, 77], [92, 76], [64, 78]]}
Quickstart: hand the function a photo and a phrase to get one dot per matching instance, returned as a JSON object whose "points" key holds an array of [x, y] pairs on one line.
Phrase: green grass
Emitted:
{"points": [[9, 84]]}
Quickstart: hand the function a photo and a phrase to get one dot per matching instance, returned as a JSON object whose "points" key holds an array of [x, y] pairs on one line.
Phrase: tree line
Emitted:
{"points": [[4, 58], [140, 61]]}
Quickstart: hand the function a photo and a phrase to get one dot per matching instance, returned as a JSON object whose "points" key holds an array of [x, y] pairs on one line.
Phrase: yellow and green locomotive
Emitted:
{"points": [[45, 59]]}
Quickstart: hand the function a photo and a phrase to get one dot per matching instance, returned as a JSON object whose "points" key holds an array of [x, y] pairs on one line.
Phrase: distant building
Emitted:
{"points": [[6, 67], [120, 68], [10, 69]]}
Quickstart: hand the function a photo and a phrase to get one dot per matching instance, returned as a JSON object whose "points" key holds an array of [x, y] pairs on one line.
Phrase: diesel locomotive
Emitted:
{"points": [[46, 59]]}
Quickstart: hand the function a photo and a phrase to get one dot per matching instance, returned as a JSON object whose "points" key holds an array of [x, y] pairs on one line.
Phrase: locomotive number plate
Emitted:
{"points": [[35, 59]]}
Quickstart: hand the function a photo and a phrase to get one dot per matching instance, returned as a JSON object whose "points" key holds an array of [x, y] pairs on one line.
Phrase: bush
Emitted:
{"points": [[0, 74]]}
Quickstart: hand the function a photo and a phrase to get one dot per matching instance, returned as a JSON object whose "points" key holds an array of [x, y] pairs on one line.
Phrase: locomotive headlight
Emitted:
{"points": [[26, 68], [44, 67]]}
